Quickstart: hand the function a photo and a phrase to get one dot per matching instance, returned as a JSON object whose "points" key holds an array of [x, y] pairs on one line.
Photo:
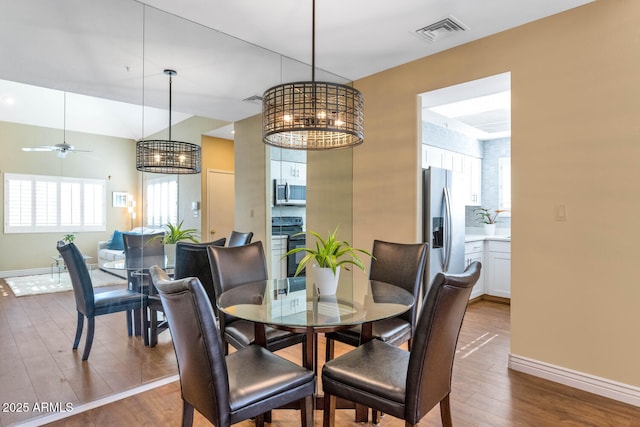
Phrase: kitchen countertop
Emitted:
{"points": [[476, 235]]}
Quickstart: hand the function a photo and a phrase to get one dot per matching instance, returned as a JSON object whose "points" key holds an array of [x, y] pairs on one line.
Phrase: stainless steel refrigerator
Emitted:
{"points": [[443, 223]]}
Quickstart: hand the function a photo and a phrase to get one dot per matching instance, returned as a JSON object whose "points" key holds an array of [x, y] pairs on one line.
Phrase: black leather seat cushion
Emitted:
{"points": [[357, 369], [108, 302], [394, 330], [242, 332], [261, 374]]}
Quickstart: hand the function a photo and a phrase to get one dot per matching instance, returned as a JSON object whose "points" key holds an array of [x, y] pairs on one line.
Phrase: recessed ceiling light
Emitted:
{"points": [[7, 100]]}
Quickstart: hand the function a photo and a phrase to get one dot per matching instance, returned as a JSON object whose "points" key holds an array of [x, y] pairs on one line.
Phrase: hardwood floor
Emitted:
{"points": [[485, 392], [38, 365]]}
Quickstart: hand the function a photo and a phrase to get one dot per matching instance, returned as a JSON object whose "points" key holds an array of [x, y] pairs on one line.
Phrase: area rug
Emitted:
{"points": [[46, 283]]}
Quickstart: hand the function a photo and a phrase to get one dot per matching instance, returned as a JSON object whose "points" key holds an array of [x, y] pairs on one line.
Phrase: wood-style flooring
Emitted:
{"points": [[485, 392]]}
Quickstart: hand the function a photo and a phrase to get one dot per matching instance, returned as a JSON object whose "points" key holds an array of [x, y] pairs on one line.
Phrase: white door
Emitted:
{"points": [[220, 205]]}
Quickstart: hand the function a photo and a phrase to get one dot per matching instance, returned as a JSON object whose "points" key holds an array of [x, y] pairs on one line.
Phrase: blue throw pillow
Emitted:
{"points": [[117, 244]]}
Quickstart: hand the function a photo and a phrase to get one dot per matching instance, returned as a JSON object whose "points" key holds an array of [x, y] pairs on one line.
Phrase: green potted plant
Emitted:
{"points": [[69, 238], [488, 219], [329, 255], [174, 234]]}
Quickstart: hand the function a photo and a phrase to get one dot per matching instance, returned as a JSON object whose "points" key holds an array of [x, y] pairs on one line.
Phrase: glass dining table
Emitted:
{"points": [[291, 304]]}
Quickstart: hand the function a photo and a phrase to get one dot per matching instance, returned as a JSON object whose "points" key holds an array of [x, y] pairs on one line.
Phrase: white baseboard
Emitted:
{"points": [[601, 386], [26, 272]]}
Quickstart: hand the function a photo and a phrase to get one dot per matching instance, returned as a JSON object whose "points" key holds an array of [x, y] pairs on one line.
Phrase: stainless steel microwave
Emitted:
{"points": [[289, 193]]}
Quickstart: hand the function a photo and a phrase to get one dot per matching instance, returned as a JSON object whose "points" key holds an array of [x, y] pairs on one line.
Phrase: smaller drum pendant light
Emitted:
{"points": [[168, 156]]}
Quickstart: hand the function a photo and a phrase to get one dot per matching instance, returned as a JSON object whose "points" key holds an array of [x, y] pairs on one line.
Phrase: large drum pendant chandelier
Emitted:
{"points": [[312, 115]]}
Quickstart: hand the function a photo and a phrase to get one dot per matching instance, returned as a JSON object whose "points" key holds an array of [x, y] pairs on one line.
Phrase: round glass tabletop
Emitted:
{"points": [[288, 302]]}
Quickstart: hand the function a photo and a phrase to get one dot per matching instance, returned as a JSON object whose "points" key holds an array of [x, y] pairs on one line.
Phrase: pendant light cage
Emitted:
{"points": [[169, 157], [312, 116], [165, 155]]}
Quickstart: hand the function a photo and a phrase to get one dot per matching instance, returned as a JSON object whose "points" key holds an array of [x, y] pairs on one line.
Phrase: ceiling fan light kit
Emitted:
{"points": [[165, 155], [312, 115]]}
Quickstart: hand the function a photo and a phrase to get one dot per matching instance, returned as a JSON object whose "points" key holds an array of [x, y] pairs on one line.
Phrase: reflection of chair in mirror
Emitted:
{"points": [[237, 238], [91, 305], [399, 264], [192, 260], [141, 251], [406, 384], [225, 389], [234, 266]]}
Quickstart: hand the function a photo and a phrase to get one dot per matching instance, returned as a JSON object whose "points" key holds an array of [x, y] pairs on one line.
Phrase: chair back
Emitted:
{"points": [[237, 238], [143, 250], [192, 260], [435, 340], [199, 349], [234, 266], [401, 264], [80, 277]]}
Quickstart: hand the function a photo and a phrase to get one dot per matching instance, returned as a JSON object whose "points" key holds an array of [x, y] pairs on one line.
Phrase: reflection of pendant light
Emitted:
{"points": [[312, 115], [167, 156]]}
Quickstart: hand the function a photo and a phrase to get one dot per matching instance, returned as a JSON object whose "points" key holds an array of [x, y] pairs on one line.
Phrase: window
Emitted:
{"points": [[40, 204], [162, 201]]}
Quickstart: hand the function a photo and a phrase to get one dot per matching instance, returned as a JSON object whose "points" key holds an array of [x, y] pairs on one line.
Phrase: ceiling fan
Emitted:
{"points": [[63, 149]]}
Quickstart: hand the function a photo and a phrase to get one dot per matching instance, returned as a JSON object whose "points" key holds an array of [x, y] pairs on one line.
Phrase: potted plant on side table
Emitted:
{"points": [[329, 254]]}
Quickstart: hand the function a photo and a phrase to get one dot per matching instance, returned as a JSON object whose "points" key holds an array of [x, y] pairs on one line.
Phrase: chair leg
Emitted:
{"points": [[145, 326], [306, 411], [329, 415], [187, 414], [153, 328], [445, 412], [129, 323], [79, 326], [259, 420], [329, 349], [91, 327]]}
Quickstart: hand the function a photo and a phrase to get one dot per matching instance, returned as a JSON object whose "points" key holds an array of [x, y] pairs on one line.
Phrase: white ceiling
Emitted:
{"points": [[223, 51]]}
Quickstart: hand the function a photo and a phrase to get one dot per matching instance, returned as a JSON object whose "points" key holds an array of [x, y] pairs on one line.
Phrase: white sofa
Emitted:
{"points": [[106, 255]]}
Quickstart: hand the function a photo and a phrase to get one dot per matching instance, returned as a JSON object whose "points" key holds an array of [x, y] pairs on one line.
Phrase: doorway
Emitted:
{"points": [[220, 204]]}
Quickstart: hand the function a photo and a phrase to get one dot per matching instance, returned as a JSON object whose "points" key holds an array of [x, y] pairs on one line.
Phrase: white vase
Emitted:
{"points": [[325, 282], [490, 229], [170, 254]]}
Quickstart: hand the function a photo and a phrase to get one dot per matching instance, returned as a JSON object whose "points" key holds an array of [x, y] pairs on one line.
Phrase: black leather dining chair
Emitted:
{"points": [[141, 251], [225, 389], [234, 266], [90, 304], [406, 384], [401, 264], [238, 238]]}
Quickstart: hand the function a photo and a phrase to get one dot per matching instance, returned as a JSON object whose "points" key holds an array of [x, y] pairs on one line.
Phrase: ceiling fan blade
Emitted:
{"points": [[40, 148]]}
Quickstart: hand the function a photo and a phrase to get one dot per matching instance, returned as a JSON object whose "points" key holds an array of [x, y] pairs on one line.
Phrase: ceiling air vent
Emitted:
{"points": [[439, 29], [256, 99]]}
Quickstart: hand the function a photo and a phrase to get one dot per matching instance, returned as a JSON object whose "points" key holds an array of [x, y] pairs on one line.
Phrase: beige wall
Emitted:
{"points": [[111, 159], [575, 140], [252, 212]]}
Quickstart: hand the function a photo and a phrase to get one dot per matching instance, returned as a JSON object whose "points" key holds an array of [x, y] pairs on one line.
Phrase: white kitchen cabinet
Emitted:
{"points": [[278, 251], [474, 251], [288, 171], [469, 170], [498, 271], [473, 172]]}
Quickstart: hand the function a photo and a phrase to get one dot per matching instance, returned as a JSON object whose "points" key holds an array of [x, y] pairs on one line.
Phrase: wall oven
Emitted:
{"points": [[289, 226], [289, 193]]}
